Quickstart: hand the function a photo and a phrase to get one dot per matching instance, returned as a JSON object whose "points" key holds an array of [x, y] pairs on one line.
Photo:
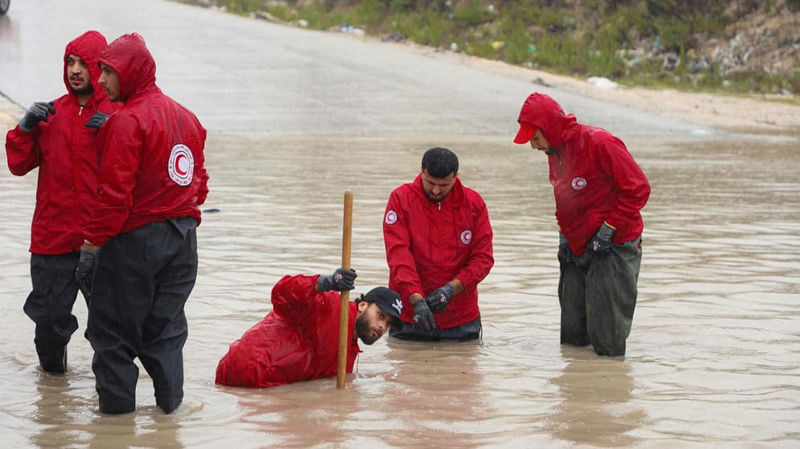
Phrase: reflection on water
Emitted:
{"points": [[713, 358], [594, 405]]}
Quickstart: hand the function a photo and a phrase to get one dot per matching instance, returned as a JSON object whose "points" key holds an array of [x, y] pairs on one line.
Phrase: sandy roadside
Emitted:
{"points": [[736, 114]]}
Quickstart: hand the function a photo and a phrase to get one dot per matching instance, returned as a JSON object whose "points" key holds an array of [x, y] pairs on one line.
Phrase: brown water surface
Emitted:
{"points": [[713, 359]]}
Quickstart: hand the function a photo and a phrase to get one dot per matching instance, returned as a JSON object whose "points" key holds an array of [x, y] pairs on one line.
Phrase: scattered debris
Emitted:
{"points": [[394, 36], [602, 83], [349, 29], [538, 80], [264, 15]]}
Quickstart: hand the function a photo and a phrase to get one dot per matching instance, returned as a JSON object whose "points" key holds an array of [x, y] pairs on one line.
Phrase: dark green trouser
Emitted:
{"points": [[597, 293]]}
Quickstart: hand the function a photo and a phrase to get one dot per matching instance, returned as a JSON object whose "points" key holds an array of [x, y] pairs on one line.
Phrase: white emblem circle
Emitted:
{"points": [[466, 237], [181, 165], [579, 183], [391, 217]]}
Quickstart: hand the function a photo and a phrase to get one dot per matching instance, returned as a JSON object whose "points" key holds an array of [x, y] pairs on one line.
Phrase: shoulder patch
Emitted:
{"points": [[391, 217], [579, 183], [181, 165]]}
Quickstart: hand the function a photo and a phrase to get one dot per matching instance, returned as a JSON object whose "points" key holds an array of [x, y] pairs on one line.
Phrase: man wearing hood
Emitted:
{"points": [[438, 241], [139, 258], [60, 138], [299, 339], [599, 191]]}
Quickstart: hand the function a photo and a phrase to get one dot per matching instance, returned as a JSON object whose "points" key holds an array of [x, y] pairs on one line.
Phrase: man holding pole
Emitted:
{"points": [[439, 247], [298, 339]]}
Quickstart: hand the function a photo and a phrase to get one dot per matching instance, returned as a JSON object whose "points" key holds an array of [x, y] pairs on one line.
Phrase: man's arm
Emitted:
{"points": [[481, 258], [403, 276], [122, 148], [202, 190], [632, 186], [22, 151], [293, 298]]}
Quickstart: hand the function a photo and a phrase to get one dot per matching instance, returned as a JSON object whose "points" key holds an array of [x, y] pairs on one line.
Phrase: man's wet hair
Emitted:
{"points": [[440, 162]]}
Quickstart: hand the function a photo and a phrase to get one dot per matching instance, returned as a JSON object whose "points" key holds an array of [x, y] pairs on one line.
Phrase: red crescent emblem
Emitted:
{"points": [[178, 166]]}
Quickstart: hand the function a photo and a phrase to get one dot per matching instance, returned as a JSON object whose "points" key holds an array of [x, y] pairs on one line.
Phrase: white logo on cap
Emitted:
{"points": [[181, 165], [398, 305], [579, 183], [391, 217], [466, 237]]}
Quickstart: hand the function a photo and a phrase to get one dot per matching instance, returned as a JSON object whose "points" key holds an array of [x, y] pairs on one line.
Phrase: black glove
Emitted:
{"points": [[439, 298], [601, 242], [340, 280], [564, 251], [37, 112], [423, 318], [84, 272], [96, 120]]}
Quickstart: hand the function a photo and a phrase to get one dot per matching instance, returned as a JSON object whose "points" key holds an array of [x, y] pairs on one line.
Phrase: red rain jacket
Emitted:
{"points": [[152, 166], [429, 244], [594, 177], [298, 340], [66, 153]]}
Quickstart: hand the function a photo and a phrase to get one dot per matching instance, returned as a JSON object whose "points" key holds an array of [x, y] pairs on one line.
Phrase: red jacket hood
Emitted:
{"points": [[545, 114], [129, 57], [87, 46]]}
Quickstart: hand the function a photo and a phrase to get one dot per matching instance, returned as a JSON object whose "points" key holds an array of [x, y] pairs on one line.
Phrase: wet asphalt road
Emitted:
{"points": [[241, 75]]}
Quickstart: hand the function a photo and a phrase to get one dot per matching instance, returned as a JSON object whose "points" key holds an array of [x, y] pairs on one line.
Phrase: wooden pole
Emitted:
{"points": [[344, 305]]}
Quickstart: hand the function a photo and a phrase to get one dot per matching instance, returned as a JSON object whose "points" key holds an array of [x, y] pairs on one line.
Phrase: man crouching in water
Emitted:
{"points": [[298, 340]]}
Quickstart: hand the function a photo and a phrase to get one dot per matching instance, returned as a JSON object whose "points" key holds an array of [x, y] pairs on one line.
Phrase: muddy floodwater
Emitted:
{"points": [[713, 359], [295, 118]]}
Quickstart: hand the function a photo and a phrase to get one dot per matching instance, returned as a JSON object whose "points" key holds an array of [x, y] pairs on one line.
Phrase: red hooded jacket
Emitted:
{"points": [[66, 153], [298, 340], [152, 164], [429, 244], [594, 177]]}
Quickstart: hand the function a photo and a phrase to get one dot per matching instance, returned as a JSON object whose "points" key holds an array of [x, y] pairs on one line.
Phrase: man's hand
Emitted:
{"points": [[38, 112], [423, 318], [340, 280], [439, 298], [96, 120], [564, 251], [84, 272], [601, 242]]}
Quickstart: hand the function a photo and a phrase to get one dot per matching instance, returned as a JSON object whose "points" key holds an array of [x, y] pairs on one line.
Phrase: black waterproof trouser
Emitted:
{"points": [[142, 281], [597, 293], [464, 332], [49, 305]]}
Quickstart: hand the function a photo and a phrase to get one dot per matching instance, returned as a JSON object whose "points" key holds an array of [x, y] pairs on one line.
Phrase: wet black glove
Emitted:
{"points": [[38, 112], [340, 280], [564, 251], [601, 242], [423, 318], [439, 298], [96, 120], [84, 272]]}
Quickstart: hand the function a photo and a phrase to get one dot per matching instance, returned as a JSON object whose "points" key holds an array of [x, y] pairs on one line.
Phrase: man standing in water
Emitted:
{"points": [[139, 259], [60, 138], [599, 191], [439, 247], [299, 339]]}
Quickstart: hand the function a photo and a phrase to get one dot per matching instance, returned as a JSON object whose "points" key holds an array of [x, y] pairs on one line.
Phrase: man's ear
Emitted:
{"points": [[362, 306]]}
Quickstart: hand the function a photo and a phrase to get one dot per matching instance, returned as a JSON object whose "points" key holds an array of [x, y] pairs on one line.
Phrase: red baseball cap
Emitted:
{"points": [[525, 133]]}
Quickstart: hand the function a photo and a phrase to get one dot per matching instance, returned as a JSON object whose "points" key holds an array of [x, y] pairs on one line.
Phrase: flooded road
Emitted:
{"points": [[713, 359]]}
